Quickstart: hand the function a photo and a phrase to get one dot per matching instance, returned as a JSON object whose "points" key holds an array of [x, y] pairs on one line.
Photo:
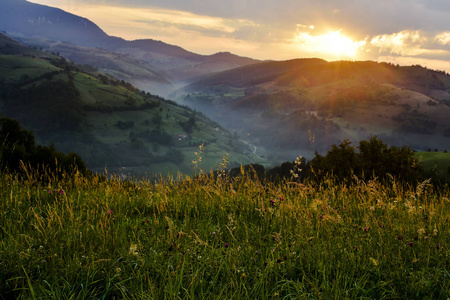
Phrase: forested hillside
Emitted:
{"points": [[107, 121]]}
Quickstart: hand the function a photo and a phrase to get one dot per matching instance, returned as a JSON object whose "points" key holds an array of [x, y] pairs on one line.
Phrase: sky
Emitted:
{"points": [[405, 32]]}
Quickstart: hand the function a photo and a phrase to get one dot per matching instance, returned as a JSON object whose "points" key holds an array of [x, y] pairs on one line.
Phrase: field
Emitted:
{"points": [[436, 164], [206, 238]]}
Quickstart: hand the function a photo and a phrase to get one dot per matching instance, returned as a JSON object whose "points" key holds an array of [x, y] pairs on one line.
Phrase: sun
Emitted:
{"points": [[333, 44], [338, 44]]}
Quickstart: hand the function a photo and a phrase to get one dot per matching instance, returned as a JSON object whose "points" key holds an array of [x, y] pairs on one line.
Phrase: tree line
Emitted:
{"points": [[18, 149], [373, 160]]}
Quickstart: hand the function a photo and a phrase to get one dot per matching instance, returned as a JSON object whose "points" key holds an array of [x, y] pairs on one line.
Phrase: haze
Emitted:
{"points": [[401, 31]]}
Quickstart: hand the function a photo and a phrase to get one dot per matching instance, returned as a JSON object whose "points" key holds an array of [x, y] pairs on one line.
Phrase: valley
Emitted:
{"points": [[263, 112], [110, 123]]}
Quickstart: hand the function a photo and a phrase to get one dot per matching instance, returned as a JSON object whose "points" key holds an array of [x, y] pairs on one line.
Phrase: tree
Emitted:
{"points": [[16, 144], [373, 157], [340, 160], [374, 160]]}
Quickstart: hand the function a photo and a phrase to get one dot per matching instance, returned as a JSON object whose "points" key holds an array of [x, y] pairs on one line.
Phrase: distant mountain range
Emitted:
{"points": [[31, 23]]}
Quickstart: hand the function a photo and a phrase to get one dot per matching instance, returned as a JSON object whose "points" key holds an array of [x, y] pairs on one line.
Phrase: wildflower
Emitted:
{"points": [[61, 192], [374, 261], [438, 246], [365, 228], [321, 216], [214, 233], [272, 202], [281, 199], [400, 237], [133, 249], [410, 244], [243, 275], [227, 245], [110, 211]]}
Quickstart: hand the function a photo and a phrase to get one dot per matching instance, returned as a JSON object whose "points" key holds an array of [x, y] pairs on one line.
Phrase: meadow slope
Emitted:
{"points": [[209, 238]]}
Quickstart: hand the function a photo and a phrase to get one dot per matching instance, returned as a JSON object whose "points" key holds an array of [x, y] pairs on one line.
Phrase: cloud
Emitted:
{"points": [[443, 38], [403, 43], [269, 29]]}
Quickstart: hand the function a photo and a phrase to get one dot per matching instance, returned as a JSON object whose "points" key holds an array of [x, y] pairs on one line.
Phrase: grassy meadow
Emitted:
{"points": [[220, 238]]}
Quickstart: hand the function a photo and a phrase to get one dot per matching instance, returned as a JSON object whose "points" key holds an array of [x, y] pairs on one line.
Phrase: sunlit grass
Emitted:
{"points": [[183, 238]]}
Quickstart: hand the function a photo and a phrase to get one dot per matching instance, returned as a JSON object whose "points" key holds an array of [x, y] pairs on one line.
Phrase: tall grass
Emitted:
{"points": [[217, 238]]}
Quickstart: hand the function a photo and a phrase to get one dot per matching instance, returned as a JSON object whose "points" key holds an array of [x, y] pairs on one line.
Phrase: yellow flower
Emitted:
{"points": [[374, 261]]}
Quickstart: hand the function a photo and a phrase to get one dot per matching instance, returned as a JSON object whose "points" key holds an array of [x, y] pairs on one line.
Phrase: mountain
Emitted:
{"points": [[106, 121], [121, 66], [305, 105], [22, 19]]}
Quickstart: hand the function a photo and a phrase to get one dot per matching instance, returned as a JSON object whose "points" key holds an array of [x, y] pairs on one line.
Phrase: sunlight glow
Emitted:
{"points": [[333, 44]]}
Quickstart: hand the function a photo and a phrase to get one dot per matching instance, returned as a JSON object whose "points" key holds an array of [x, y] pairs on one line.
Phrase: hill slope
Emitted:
{"points": [[106, 121], [309, 104]]}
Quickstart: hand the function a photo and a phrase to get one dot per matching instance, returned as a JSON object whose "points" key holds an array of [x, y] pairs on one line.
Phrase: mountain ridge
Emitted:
{"points": [[25, 19]]}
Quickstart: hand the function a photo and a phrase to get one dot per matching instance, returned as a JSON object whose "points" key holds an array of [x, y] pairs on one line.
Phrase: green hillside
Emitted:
{"points": [[120, 66], [436, 164], [109, 122]]}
